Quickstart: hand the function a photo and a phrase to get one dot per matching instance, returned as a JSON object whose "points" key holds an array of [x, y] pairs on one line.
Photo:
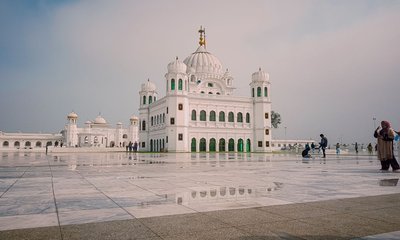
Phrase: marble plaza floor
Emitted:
{"points": [[196, 196]]}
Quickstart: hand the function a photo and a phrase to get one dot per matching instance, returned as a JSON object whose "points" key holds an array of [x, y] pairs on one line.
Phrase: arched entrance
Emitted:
{"points": [[248, 145], [240, 147], [151, 145], [203, 145], [231, 145], [212, 145], [222, 147], [193, 147]]}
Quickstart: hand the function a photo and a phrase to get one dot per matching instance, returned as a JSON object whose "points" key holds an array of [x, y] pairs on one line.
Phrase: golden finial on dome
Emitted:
{"points": [[202, 32]]}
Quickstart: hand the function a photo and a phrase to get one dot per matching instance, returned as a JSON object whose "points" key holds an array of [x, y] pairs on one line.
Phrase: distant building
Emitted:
{"points": [[200, 112], [97, 133]]}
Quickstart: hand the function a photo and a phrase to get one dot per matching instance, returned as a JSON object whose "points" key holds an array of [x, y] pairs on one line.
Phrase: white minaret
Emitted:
{"points": [[134, 129], [72, 130], [148, 95], [260, 92], [177, 118]]}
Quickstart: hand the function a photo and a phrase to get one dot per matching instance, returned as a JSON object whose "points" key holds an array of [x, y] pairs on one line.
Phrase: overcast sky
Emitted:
{"points": [[333, 65]]}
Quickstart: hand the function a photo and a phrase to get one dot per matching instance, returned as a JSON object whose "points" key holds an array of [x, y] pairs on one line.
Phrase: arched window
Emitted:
{"points": [[125, 136], [5, 144], [212, 145], [49, 143], [143, 125], [193, 147], [38, 144], [247, 117], [180, 84], [203, 145], [150, 99], [172, 84], [163, 117], [265, 92], [231, 145], [252, 92], [212, 116], [152, 121], [239, 117], [155, 98], [151, 145], [222, 116], [203, 115], [240, 146], [259, 92], [27, 144], [248, 145], [16, 144], [193, 115], [144, 99], [222, 145], [231, 117]]}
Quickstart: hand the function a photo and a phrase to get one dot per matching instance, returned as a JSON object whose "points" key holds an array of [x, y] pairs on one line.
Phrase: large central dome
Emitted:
{"points": [[202, 61]]}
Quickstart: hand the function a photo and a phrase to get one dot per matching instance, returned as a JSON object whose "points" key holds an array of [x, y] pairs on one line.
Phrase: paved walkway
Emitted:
{"points": [[196, 196]]}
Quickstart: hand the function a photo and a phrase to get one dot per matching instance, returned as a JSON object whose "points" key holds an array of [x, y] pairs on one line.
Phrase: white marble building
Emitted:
{"points": [[200, 111], [97, 133]]}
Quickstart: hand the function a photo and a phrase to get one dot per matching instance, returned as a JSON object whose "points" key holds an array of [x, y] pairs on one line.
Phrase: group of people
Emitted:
{"points": [[322, 146], [385, 136], [132, 147]]}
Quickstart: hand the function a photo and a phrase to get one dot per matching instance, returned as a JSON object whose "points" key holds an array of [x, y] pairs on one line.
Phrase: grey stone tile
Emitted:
{"points": [[212, 234], [32, 234], [348, 224], [121, 230], [245, 216], [182, 224], [302, 230], [297, 211]]}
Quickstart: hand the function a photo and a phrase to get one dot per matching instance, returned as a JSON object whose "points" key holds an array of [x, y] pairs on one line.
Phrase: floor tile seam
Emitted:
{"points": [[55, 200], [124, 209], [15, 182]]}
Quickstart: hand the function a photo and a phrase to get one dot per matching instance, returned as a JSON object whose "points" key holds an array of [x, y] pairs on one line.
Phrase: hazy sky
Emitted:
{"points": [[333, 65]]}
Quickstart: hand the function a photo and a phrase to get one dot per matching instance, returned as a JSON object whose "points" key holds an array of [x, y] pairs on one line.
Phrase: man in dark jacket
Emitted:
{"points": [[323, 144]]}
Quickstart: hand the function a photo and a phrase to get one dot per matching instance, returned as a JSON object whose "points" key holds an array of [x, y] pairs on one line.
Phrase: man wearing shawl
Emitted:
{"points": [[385, 138]]}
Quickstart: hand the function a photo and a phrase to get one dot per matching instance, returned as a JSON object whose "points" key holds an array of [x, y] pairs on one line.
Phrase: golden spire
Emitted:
{"points": [[202, 32]]}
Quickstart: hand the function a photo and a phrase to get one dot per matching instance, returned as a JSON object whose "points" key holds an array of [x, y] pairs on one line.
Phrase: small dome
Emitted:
{"points": [[72, 115], [119, 123], [260, 76], [88, 122], [148, 86], [176, 66], [100, 120], [204, 62], [133, 117]]}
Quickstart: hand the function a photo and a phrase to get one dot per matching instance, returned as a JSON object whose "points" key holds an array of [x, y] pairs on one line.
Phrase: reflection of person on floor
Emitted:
{"points": [[305, 153], [312, 147], [385, 138]]}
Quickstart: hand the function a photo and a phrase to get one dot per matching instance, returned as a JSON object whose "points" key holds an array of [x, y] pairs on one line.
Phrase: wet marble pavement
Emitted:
{"points": [[38, 190]]}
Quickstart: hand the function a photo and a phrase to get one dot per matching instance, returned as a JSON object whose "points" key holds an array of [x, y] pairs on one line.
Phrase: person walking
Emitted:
{"points": [[356, 147], [369, 147], [337, 148], [323, 144], [312, 147], [385, 138]]}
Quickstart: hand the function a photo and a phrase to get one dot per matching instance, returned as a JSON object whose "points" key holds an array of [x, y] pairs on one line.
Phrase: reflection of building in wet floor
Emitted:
{"points": [[388, 182], [224, 194]]}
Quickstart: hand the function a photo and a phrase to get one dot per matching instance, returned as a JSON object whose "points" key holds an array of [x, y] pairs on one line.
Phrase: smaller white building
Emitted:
{"points": [[97, 133]]}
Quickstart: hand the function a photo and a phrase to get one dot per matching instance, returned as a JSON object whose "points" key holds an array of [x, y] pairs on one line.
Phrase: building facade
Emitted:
{"points": [[200, 111], [97, 133]]}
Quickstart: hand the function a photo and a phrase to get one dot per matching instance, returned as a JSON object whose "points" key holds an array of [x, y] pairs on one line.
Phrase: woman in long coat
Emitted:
{"points": [[385, 138]]}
